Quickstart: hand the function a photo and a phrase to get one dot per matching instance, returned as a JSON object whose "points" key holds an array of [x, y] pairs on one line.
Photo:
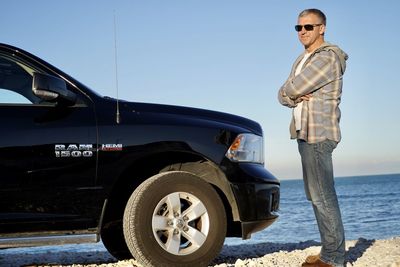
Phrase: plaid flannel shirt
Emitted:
{"points": [[321, 75]]}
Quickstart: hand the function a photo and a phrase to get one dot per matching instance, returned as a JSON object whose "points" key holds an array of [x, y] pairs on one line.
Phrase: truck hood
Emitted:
{"points": [[193, 113]]}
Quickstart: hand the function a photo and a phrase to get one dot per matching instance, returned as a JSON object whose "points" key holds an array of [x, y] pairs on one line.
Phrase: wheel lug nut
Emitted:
{"points": [[176, 214], [170, 223], [185, 228], [185, 218], [176, 231]]}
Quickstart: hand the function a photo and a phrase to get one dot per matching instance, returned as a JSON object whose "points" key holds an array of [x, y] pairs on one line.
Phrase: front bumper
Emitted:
{"points": [[257, 194], [257, 204]]}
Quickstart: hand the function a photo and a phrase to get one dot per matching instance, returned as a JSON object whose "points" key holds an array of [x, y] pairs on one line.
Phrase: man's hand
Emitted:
{"points": [[306, 97]]}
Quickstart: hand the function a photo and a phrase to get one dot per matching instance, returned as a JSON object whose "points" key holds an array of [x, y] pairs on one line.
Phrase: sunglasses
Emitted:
{"points": [[307, 27]]}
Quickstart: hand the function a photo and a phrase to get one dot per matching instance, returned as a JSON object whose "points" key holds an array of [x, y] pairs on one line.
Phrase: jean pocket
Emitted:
{"points": [[328, 145]]}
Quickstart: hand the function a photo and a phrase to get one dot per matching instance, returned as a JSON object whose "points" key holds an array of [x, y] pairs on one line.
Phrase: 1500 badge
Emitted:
{"points": [[74, 150]]}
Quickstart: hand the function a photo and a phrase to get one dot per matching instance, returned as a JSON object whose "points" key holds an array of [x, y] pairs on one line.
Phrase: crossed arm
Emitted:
{"points": [[301, 87]]}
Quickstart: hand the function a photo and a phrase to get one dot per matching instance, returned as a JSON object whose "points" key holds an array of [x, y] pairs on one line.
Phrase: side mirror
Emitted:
{"points": [[52, 89]]}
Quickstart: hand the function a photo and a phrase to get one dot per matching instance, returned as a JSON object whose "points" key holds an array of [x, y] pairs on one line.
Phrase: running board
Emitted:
{"points": [[49, 240]]}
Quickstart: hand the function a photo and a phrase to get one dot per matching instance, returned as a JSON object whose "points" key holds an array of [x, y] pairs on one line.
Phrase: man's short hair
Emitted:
{"points": [[316, 12]]}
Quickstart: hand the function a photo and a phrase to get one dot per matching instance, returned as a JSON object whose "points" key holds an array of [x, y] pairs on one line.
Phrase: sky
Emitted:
{"points": [[229, 56]]}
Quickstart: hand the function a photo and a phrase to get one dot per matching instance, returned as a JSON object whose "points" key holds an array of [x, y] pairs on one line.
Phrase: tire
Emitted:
{"points": [[114, 241], [174, 219]]}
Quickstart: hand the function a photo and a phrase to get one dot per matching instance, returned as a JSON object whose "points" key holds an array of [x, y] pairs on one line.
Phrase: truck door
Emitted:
{"points": [[47, 156]]}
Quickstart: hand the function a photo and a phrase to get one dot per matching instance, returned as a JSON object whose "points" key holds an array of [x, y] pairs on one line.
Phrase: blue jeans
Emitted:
{"points": [[319, 186]]}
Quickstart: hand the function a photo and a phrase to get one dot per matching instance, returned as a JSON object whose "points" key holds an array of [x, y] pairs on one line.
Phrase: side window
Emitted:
{"points": [[16, 82], [11, 97]]}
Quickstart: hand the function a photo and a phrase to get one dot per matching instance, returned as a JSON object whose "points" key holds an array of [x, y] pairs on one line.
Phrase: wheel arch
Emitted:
{"points": [[210, 172], [146, 167]]}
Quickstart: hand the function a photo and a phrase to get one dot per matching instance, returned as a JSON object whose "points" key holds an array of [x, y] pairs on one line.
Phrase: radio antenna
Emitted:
{"points": [[118, 117]]}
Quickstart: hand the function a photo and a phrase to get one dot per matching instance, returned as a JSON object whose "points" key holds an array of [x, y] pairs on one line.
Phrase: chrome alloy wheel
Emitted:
{"points": [[180, 223]]}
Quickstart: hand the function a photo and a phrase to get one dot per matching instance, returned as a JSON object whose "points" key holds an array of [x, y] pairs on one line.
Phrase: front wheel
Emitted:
{"points": [[174, 219]]}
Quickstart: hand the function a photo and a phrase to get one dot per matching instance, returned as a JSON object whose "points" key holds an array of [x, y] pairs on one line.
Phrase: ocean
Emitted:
{"points": [[370, 207]]}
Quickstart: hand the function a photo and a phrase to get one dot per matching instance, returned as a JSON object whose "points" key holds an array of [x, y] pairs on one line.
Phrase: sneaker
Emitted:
{"points": [[312, 258], [317, 263]]}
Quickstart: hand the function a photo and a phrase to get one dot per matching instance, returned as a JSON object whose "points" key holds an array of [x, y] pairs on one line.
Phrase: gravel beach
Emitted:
{"points": [[360, 253]]}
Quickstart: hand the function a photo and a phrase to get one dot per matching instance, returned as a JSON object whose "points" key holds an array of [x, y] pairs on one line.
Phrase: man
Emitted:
{"points": [[313, 90]]}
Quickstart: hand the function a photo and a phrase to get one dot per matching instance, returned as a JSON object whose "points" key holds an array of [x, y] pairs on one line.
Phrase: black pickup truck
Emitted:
{"points": [[163, 184]]}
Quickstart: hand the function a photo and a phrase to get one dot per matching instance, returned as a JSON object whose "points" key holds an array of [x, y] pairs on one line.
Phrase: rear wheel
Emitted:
{"points": [[174, 219]]}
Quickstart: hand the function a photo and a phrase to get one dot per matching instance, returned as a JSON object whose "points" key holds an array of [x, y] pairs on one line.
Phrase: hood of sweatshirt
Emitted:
{"points": [[339, 52]]}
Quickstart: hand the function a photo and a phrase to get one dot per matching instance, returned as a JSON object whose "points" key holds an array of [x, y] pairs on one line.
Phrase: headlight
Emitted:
{"points": [[247, 148]]}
